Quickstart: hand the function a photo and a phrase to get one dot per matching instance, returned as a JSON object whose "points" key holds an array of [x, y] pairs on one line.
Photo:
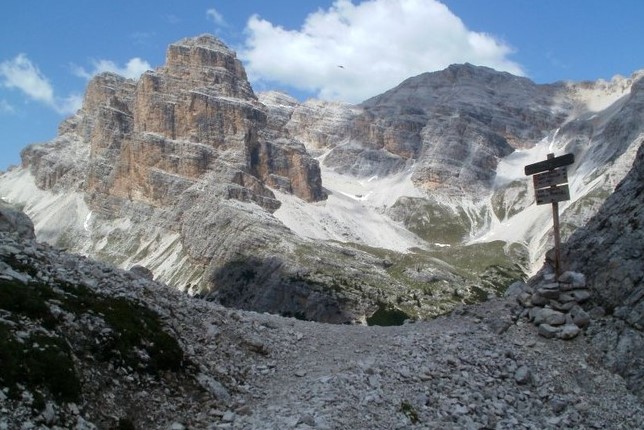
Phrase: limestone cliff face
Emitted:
{"points": [[457, 123], [152, 139]]}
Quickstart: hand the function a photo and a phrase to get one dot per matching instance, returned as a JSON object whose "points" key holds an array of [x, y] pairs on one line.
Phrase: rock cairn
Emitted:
{"points": [[554, 305]]}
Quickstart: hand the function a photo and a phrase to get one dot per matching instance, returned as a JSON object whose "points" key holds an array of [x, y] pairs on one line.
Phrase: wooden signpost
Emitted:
{"points": [[550, 177]]}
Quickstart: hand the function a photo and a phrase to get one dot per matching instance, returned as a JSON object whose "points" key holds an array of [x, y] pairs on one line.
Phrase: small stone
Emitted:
{"points": [[568, 331], [554, 421], [557, 318], [597, 312], [141, 272], [549, 291], [300, 373], [374, 381], [577, 280], [580, 317], [515, 289], [581, 295], [177, 426], [561, 307], [524, 299], [549, 316], [558, 404], [307, 419], [244, 410], [548, 331], [522, 375], [49, 414], [552, 286], [499, 325], [578, 296], [538, 300], [214, 387], [228, 417]]}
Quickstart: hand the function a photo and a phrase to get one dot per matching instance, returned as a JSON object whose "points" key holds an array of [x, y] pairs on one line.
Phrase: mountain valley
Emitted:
{"points": [[187, 254]]}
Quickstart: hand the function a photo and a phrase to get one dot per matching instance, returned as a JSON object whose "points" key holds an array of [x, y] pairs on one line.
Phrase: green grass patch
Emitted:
{"points": [[409, 410], [430, 220]]}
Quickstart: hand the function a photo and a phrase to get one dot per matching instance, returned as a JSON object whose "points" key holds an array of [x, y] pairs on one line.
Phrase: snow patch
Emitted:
{"points": [[353, 212], [87, 221], [511, 168]]}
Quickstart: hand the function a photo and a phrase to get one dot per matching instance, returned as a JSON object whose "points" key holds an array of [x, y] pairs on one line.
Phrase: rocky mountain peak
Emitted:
{"points": [[455, 125], [205, 61], [150, 140]]}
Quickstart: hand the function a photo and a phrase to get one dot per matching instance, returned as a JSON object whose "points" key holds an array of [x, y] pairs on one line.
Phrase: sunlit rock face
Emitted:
{"points": [[457, 123], [154, 138]]}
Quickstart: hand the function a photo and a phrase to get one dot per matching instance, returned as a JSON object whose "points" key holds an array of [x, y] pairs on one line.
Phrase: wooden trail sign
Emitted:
{"points": [[548, 188], [550, 164], [550, 178], [552, 194]]}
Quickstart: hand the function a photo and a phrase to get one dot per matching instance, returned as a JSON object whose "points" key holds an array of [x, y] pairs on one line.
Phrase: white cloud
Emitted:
{"points": [[133, 69], [216, 17], [352, 52], [21, 74]]}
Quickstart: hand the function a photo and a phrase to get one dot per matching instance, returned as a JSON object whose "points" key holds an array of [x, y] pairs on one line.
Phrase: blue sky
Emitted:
{"points": [[49, 50]]}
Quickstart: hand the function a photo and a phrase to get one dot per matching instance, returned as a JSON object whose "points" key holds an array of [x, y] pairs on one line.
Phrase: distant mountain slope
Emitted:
{"points": [[462, 137]]}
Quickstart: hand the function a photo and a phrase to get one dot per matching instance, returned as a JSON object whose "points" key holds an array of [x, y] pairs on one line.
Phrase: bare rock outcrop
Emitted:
{"points": [[14, 221], [610, 251], [164, 132], [456, 124]]}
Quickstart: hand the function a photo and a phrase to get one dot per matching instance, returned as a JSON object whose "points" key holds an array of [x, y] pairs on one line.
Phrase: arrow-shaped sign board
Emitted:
{"points": [[550, 178], [552, 194], [549, 164]]}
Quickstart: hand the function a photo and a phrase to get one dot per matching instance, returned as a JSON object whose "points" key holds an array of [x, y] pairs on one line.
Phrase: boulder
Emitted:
{"points": [[580, 317], [15, 221]]}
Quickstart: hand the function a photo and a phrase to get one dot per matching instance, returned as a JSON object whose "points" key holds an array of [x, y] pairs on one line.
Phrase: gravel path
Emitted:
{"points": [[454, 372]]}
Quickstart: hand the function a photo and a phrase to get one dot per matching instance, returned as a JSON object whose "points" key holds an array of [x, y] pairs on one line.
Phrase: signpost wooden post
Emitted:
{"points": [[549, 175]]}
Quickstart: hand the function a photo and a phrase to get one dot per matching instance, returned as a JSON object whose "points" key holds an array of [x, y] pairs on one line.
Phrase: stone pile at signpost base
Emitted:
{"points": [[554, 305]]}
